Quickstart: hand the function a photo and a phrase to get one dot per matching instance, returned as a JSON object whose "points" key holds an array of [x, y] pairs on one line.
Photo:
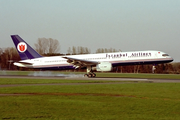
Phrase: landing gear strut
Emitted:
{"points": [[153, 69], [90, 72]]}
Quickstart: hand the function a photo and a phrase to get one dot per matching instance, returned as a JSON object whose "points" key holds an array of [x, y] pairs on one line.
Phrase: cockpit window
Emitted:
{"points": [[165, 55]]}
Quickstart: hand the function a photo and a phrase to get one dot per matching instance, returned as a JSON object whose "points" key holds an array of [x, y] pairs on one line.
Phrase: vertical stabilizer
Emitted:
{"points": [[25, 51]]}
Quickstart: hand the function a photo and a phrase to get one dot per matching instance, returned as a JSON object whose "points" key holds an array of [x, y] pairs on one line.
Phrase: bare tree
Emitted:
{"points": [[41, 45], [45, 45], [87, 51], [102, 50], [78, 50], [1, 51], [53, 45], [83, 50], [7, 56], [69, 51], [74, 50]]}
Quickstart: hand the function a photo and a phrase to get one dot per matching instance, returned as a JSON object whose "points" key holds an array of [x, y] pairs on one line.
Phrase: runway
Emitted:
{"points": [[95, 79]]}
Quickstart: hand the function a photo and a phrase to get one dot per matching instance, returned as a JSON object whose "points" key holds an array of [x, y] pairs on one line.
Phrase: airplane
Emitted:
{"points": [[92, 62]]}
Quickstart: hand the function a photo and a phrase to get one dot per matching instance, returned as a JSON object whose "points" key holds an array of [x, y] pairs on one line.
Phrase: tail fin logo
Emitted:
{"points": [[22, 47]]}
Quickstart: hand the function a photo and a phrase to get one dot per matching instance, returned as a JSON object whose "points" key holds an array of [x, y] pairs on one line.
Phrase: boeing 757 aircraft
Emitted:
{"points": [[99, 62]]}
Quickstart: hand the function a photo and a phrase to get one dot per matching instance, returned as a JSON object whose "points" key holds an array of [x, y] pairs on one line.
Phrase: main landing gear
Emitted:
{"points": [[90, 75], [89, 72]]}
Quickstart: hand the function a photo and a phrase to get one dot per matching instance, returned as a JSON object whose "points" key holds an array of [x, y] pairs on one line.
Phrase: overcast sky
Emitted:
{"points": [[129, 25]]}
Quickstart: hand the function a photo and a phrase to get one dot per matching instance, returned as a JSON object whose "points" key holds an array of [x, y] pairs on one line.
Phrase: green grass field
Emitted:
{"points": [[124, 100]]}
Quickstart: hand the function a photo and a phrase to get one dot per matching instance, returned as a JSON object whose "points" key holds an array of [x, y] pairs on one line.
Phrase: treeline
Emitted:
{"points": [[105, 50], [10, 55], [7, 57], [78, 50], [168, 68]]}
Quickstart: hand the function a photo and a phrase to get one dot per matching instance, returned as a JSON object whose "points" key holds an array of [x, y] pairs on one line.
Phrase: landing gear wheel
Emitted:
{"points": [[86, 75], [89, 75], [93, 75]]}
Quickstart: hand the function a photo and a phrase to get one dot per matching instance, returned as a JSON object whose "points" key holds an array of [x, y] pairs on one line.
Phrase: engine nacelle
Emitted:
{"points": [[104, 66]]}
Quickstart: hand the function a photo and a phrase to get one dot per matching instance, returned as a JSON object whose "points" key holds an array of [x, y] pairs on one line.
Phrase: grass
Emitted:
{"points": [[140, 75], [8, 81], [87, 107], [125, 101]]}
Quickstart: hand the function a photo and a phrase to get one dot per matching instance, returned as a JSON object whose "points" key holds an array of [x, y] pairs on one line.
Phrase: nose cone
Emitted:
{"points": [[167, 57], [171, 59]]}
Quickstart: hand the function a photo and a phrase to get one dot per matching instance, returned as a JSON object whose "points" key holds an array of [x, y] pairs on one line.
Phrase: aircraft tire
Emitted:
{"points": [[93, 75], [89, 75], [86, 75]]}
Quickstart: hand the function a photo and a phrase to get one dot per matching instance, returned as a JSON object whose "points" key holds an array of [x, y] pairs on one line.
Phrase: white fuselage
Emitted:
{"points": [[116, 59]]}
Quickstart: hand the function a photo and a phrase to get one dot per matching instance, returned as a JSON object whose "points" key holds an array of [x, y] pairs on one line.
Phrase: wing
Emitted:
{"points": [[80, 62]]}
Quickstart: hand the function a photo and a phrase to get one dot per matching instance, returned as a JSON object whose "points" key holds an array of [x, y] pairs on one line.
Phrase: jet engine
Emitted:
{"points": [[104, 66]]}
